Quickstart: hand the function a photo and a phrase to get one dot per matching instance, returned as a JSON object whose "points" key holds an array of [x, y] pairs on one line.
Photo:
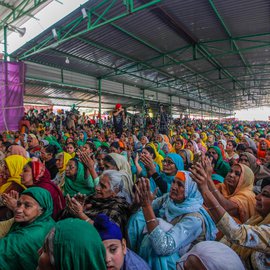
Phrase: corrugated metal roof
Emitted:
{"points": [[198, 50]]}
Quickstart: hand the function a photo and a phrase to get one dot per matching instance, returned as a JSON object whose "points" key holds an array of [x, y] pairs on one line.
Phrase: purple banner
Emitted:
{"points": [[11, 94]]}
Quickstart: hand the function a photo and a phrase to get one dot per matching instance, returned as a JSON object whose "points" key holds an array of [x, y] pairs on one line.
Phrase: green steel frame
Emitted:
{"points": [[194, 86], [21, 10]]}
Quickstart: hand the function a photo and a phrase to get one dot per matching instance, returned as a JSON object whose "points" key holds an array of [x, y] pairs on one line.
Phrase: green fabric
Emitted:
{"points": [[80, 184], [78, 246], [222, 167], [19, 248], [53, 141]]}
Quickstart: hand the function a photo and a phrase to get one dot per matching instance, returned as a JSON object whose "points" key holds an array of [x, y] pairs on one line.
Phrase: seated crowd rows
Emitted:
{"points": [[86, 198]]}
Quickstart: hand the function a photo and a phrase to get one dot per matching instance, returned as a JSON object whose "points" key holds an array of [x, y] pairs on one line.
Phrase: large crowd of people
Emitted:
{"points": [[83, 193]]}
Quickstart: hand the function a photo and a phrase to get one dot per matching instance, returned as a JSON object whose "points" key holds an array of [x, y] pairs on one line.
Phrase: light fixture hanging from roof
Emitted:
{"points": [[20, 31], [67, 60], [84, 13], [55, 36]]}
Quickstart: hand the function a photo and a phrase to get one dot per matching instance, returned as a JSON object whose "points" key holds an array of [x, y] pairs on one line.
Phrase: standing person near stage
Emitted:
{"points": [[163, 122], [118, 119]]}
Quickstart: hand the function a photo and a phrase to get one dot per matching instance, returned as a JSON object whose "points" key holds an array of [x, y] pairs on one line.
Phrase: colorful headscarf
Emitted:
{"points": [[66, 158], [15, 164]]}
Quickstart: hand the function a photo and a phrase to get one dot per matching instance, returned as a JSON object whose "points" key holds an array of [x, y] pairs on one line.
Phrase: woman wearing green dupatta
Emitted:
{"points": [[76, 180], [221, 167], [66, 249], [32, 216]]}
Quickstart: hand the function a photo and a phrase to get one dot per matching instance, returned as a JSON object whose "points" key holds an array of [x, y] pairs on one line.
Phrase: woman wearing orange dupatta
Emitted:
{"points": [[242, 197], [262, 148]]}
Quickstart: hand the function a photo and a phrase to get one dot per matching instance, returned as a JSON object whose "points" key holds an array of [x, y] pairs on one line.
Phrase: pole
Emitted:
{"points": [[5, 43], [143, 109], [99, 103]]}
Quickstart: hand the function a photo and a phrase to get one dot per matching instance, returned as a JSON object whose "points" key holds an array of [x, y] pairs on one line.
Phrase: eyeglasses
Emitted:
{"points": [[212, 153], [167, 161]]}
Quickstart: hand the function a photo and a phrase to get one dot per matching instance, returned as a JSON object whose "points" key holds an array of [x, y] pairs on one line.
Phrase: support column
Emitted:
{"points": [[99, 103], [5, 43], [143, 108]]}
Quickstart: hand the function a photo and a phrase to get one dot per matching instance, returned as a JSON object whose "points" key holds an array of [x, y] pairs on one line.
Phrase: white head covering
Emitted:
{"points": [[213, 255]]}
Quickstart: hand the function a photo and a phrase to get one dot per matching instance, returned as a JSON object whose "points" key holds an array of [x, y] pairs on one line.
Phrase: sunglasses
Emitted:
{"points": [[212, 153]]}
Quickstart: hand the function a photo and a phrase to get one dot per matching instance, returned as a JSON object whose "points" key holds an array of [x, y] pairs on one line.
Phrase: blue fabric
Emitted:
{"points": [[193, 203], [179, 164], [107, 229], [164, 255], [134, 262]]}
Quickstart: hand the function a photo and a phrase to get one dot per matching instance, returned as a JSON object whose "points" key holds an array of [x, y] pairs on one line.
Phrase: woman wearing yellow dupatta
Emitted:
{"points": [[158, 158], [14, 164], [61, 163]]}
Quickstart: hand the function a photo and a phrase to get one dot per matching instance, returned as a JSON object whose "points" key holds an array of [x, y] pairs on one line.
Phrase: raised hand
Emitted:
{"points": [[143, 196], [149, 164], [199, 175], [74, 207], [87, 160], [10, 200]]}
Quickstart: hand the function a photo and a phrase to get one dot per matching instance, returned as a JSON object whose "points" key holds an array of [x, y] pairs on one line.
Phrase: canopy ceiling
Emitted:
{"points": [[212, 52]]}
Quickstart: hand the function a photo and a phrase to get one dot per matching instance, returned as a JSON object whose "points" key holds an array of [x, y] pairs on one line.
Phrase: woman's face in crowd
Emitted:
{"points": [[87, 149], [70, 148], [44, 155], [27, 176], [146, 153], [71, 169], [169, 167], [178, 145], [244, 160], [115, 150], [213, 152], [103, 189], [190, 146], [143, 140], [220, 145], [159, 138], [229, 146], [81, 136], [115, 253], [263, 201], [69, 140], [232, 178], [100, 161], [263, 145], [59, 161], [177, 191], [27, 210], [108, 166], [184, 157]]}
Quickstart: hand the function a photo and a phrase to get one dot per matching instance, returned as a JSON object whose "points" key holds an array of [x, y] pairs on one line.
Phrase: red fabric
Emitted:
{"points": [[118, 106], [261, 153], [42, 178]]}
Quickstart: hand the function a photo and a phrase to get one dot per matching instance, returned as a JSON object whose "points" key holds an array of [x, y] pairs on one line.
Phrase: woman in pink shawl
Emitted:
{"points": [[35, 174]]}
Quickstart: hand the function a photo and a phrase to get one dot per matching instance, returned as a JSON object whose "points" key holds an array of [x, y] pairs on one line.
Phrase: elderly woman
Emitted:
{"points": [[17, 150], [163, 144], [236, 193], [35, 174], [32, 221], [33, 146], [250, 240], [61, 161], [118, 162], [64, 249], [111, 199], [169, 226], [210, 255], [187, 157], [118, 256]]}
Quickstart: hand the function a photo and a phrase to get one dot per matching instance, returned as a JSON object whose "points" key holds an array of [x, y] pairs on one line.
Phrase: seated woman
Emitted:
{"points": [[12, 173], [232, 156], [48, 156], [32, 222], [118, 256], [163, 144], [118, 162], [77, 180], [61, 161], [250, 240], [71, 149], [178, 145], [72, 244], [110, 199], [260, 171], [171, 225], [35, 174], [171, 164], [17, 150], [210, 255], [236, 193], [187, 157], [221, 167]]}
